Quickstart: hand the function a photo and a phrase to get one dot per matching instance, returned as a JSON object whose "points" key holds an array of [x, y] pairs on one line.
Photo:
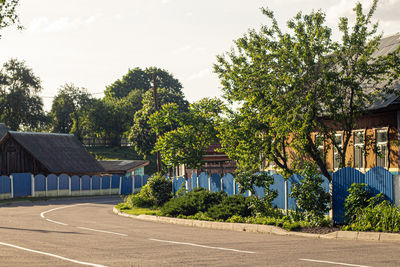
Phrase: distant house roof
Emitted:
{"points": [[122, 166], [3, 130], [387, 45], [59, 153]]}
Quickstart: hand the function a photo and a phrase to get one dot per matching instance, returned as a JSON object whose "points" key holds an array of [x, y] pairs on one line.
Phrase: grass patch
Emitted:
{"points": [[137, 211]]}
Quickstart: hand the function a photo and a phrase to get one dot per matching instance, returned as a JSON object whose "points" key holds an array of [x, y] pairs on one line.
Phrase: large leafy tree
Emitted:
{"points": [[301, 82], [68, 108], [141, 134], [185, 136], [141, 80], [8, 15], [111, 117], [20, 104]]}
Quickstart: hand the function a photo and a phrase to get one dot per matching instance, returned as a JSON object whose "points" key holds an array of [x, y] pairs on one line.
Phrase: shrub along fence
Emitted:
{"points": [[26, 184], [378, 179]]}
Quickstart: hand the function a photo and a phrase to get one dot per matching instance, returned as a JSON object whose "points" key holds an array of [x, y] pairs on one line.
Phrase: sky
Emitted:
{"points": [[92, 43]]}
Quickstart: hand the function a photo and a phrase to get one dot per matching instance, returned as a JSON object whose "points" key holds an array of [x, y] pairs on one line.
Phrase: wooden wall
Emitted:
{"points": [[15, 159]]}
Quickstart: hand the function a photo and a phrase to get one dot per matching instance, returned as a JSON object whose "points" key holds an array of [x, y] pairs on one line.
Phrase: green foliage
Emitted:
{"points": [[69, 108], [285, 83], [20, 104], [160, 188], [155, 193], [142, 136], [185, 136], [140, 80], [357, 199], [311, 197], [143, 199], [8, 15], [248, 181], [199, 200], [231, 205], [382, 217]]}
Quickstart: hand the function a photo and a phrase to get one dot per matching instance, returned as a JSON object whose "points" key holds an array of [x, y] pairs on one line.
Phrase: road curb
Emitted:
{"points": [[266, 229]]}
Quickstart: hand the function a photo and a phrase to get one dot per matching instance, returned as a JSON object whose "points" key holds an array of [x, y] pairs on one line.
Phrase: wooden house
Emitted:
{"points": [[124, 167], [45, 153]]}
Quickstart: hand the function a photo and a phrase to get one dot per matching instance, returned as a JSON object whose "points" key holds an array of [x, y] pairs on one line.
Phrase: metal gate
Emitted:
{"points": [[22, 184]]}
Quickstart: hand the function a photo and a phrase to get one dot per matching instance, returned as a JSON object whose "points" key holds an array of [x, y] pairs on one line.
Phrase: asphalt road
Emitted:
{"points": [[86, 232]]}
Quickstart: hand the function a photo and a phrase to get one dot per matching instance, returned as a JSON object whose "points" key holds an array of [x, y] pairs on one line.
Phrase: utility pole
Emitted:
{"points": [[156, 109]]}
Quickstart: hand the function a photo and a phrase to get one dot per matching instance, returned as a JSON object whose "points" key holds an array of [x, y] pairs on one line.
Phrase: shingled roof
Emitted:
{"points": [[122, 166], [59, 153], [387, 45]]}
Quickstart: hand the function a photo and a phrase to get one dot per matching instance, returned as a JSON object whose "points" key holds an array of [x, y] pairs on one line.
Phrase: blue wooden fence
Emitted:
{"points": [[25, 184], [378, 180]]}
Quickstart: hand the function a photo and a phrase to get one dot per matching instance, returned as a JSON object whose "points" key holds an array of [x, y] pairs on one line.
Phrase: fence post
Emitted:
{"points": [[209, 182], [32, 185], [120, 184], [58, 185], [80, 186], [101, 185], [69, 185], [46, 187], [133, 183], [12, 186], [90, 184], [286, 196], [110, 185]]}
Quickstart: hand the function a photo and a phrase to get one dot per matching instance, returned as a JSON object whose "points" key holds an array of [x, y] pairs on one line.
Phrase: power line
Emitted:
{"points": [[98, 93]]}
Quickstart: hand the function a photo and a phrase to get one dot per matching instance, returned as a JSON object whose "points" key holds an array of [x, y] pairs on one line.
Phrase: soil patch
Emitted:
{"points": [[317, 230]]}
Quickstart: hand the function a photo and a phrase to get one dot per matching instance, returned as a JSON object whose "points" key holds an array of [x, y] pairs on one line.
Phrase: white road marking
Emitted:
{"points": [[202, 246], [52, 255], [84, 228], [56, 222], [335, 263], [102, 231]]}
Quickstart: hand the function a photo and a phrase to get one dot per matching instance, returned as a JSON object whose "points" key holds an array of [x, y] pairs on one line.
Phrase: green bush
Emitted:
{"points": [[155, 193], [199, 200], [383, 216], [143, 199], [160, 189], [231, 205], [311, 197], [356, 200]]}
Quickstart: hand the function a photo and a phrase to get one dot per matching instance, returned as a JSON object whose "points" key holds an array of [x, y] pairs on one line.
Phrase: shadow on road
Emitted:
{"points": [[41, 231]]}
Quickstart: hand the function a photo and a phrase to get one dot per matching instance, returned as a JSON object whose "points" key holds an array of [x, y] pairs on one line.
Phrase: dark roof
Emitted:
{"points": [[387, 45], [59, 153], [3, 130], [122, 165]]}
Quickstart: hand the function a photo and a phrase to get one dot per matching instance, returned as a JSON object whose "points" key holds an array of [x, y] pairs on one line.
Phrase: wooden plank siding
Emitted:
{"points": [[14, 158]]}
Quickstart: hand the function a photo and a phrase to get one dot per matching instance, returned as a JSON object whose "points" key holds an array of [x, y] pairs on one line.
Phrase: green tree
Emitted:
{"points": [[69, 108], [140, 81], [184, 137], [293, 82], [141, 134], [8, 15], [20, 104]]}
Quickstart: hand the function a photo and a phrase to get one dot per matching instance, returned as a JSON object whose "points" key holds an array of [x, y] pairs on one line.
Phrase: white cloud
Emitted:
{"points": [[201, 74], [44, 24]]}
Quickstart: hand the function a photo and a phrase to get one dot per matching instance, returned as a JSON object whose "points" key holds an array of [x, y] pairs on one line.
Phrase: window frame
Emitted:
{"points": [[362, 145], [334, 148], [386, 144]]}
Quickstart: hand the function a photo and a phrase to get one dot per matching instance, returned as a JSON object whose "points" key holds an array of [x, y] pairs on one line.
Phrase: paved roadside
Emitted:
{"points": [[266, 229], [75, 232]]}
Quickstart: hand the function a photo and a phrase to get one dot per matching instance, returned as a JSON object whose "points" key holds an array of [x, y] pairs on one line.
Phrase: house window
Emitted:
{"points": [[382, 148], [358, 149], [319, 142], [336, 155]]}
